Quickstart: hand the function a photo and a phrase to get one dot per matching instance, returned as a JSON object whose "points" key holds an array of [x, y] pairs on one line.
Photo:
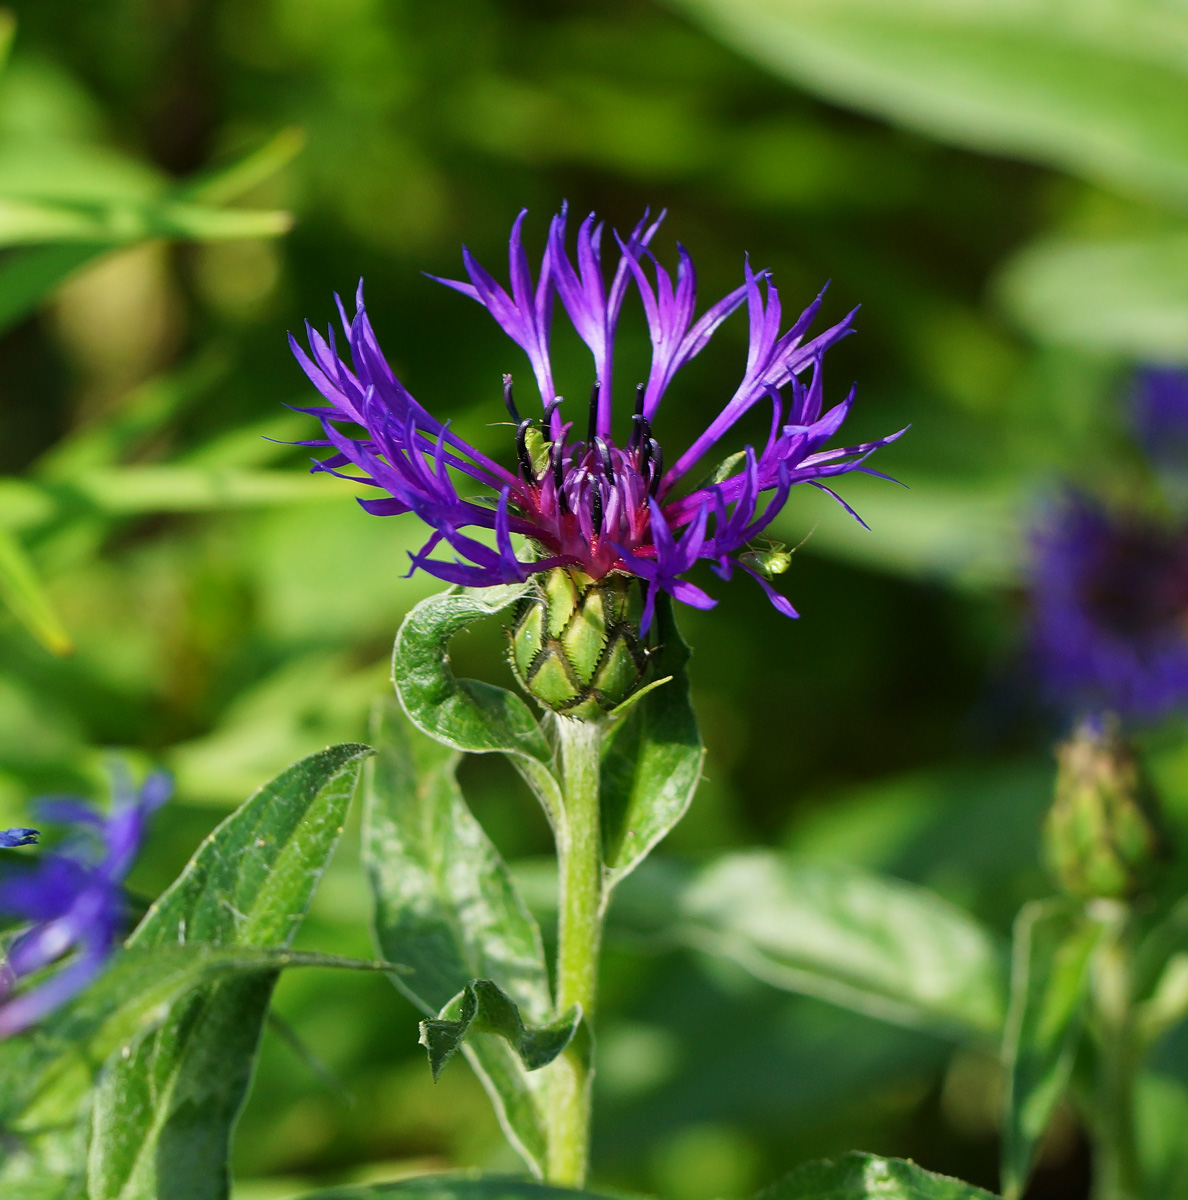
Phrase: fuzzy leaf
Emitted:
{"points": [[482, 1007], [1053, 943], [875, 945], [25, 596], [1102, 95], [466, 714], [651, 760], [446, 907], [163, 1114], [859, 1176]]}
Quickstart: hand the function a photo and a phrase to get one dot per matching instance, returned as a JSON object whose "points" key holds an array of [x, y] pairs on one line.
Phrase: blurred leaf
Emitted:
{"points": [[1127, 297], [1053, 942], [24, 595], [859, 1176], [962, 532], [453, 1187], [876, 945], [163, 1115], [231, 182], [483, 1007], [7, 30], [466, 713], [1102, 93], [144, 489], [30, 275], [447, 908], [651, 760]]}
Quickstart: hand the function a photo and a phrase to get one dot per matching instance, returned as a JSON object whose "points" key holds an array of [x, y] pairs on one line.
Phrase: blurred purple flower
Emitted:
{"points": [[597, 503], [1159, 414], [18, 837], [73, 900], [1110, 610]]}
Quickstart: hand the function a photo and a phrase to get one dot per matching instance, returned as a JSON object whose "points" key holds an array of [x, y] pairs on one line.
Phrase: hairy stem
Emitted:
{"points": [[1117, 1174], [579, 852]]}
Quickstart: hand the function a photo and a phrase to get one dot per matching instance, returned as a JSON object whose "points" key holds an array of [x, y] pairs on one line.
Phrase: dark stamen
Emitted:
{"points": [[522, 450], [657, 465], [641, 430], [507, 399], [593, 425], [546, 422], [596, 504], [645, 455], [557, 454], [639, 399], [608, 466]]}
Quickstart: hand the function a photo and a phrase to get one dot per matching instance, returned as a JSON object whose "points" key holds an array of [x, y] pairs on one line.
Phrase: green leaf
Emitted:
{"points": [[452, 1187], [878, 946], [164, 1113], [231, 182], [465, 713], [1104, 96], [857, 1176], [22, 591], [483, 1007], [1126, 296], [29, 276], [446, 907], [1053, 942], [651, 760]]}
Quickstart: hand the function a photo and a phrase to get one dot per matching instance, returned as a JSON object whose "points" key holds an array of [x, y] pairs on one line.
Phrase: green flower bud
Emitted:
{"points": [[1101, 836], [575, 645]]}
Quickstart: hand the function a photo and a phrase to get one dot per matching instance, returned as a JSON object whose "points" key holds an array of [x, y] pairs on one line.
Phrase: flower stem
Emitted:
{"points": [[579, 852], [1117, 1174]]}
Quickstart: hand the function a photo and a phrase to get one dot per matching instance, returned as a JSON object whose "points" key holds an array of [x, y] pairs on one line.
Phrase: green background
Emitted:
{"points": [[1002, 192]]}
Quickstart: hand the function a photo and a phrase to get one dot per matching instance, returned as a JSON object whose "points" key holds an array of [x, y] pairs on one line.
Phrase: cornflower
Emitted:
{"points": [[1109, 596], [589, 500], [72, 900]]}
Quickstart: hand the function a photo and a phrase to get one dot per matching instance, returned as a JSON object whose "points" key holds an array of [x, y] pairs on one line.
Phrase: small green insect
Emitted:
{"points": [[773, 558]]}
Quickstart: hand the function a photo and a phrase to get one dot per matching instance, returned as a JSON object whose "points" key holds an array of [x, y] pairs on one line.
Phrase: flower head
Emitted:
{"points": [[1159, 414], [589, 498], [72, 900], [1110, 610], [10, 838]]}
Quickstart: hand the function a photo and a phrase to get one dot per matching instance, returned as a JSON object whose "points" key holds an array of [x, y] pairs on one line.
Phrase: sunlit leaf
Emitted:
{"points": [[1125, 297], [651, 760], [163, 1114], [869, 943], [466, 713], [1101, 94], [1049, 977], [445, 906], [24, 594], [862, 1176]]}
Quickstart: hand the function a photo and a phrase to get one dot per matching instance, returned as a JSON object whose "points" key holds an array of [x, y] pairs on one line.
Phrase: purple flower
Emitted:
{"points": [[72, 900], [1110, 610], [601, 502], [18, 837], [1159, 414]]}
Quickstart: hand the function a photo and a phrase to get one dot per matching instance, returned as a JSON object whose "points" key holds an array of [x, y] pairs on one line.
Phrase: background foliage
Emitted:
{"points": [[1002, 190]]}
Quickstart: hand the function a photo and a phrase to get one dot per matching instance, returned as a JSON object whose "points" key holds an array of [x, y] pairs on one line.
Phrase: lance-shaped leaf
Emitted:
{"points": [[878, 946], [465, 713], [22, 591], [163, 1115], [1053, 943], [1104, 95], [1125, 296], [454, 1187], [446, 907], [651, 760], [861, 1176], [483, 1007]]}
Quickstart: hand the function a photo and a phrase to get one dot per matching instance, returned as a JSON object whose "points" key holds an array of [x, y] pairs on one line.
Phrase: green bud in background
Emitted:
{"points": [[1101, 836], [575, 645]]}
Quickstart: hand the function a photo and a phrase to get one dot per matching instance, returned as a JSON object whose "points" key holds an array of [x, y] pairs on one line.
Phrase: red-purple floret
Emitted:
{"points": [[593, 504]]}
